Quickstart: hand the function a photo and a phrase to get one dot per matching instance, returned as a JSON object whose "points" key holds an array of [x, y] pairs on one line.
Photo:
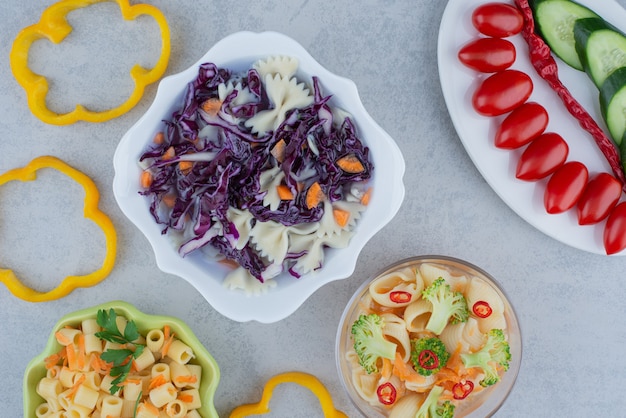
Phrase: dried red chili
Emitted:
{"points": [[399, 296], [428, 360], [461, 389], [545, 65], [387, 393], [482, 309]]}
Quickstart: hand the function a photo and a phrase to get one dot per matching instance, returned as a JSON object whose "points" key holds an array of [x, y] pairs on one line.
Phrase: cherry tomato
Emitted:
{"points": [[542, 157], [565, 187], [502, 92], [600, 196], [615, 230], [498, 20], [521, 126], [488, 55]]}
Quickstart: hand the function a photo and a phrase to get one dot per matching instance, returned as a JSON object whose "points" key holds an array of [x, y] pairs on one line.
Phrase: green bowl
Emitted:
{"points": [[210, 370]]}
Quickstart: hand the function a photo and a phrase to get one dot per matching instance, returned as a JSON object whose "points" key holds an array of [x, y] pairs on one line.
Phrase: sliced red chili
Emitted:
{"points": [[387, 393], [428, 360], [462, 389], [400, 296], [482, 309]]}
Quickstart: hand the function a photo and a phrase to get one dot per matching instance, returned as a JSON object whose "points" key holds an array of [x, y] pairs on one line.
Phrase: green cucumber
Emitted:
{"points": [[601, 48], [555, 24], [613, 105]]}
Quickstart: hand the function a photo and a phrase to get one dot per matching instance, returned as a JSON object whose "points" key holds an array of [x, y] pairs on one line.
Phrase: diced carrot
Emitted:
{"points": [[159, 138], [365, 199], [146, 179], [350, 164], [284, 192], [169, 200], [341, 216], [314, 195], [157, 381], [169, 154], [278, 150], [185, 167], [211, 106]]}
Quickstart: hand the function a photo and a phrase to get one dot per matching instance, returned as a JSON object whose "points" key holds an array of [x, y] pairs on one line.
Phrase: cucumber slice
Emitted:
{"points": [[613, 104], [601, 48], [555, 23]]}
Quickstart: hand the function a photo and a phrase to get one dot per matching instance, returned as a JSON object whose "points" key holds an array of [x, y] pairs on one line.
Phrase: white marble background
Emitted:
{"points": [[570, 303]]}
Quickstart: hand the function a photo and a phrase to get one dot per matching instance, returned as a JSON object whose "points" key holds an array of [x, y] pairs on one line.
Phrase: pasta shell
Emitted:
{"points": [[452, 337], [480, 290], [395, 331], [407, 406], [417, 314]]}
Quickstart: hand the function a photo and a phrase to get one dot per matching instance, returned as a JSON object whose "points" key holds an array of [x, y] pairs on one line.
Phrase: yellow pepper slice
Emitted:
{"points": [[304, 379], [53, 25], [91, 211]]}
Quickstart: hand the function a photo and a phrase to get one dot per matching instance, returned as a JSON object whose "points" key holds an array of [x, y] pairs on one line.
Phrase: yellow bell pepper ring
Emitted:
{"points": [[304, 379], [53, 25], [91, 211]]}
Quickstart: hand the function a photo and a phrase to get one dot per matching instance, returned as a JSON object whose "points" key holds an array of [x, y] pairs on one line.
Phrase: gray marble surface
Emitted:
{"points": [[570, 303]]}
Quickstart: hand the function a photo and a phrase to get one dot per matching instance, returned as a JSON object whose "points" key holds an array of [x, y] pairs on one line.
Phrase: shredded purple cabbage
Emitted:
{"points": [[227, 166]]}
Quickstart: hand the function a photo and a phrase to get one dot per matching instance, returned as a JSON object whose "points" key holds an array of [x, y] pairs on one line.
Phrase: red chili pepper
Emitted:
{"points": [[482, 309], [428, 360], [400, 296], [462, 389], [545, 65], [386, 393]]}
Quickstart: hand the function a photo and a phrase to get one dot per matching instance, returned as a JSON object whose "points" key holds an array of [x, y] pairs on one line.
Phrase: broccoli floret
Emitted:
{"points": [[431, 408], [428, 355], [493, 355], [447, 306], [370, 343]]}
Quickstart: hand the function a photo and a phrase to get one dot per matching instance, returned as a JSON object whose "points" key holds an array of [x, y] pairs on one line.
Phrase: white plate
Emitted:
{"points": [[238, 52], [477, 132]]}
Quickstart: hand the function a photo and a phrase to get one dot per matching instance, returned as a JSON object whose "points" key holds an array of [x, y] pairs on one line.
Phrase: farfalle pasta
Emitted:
{"points": [[413, 366]]}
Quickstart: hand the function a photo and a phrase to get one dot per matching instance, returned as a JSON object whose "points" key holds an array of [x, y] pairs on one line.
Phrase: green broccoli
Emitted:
{"points": [[447, 306], [370, 343], [428, 355], [495, 352], [431, 408]]}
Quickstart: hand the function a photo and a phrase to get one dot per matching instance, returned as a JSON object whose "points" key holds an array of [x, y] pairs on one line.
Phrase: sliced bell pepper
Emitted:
{"points": [[53, 26], [91, 211], [304, 379]]}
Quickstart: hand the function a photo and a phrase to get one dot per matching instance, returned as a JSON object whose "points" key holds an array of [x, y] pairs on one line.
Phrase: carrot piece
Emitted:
{"points": [[185, 167], [76, 385], [153, 410], [71, 357], [169, 154], [53, 359], [146, 179], [81, 356], [350, 164], [169, 338], [229, 263], [407, 373], [314, 195], [157, 381], [387, 369], [186, 379], [278, 150], [159, 138], [62, 339], [185, 398], [211, 106], [341, 216], [365, 199], [284, 192], [169, 200]]}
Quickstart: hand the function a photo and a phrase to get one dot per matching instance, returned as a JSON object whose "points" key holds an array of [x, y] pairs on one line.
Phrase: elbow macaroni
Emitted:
{"points": [[162, 382]]}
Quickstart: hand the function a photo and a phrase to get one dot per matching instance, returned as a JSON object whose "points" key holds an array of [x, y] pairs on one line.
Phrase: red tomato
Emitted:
{"points": [[542, 157], [615, 230], [502, 92], [521, 126], [498, 20], [600, 196], [565, 187], [488, 55]]}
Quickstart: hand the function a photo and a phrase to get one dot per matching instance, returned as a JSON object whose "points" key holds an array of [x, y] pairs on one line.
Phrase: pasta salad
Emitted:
{"points": [[259, 169], [426, 337], [106, 368]]}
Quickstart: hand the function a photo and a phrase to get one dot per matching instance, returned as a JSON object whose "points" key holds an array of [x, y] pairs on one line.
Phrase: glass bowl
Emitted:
{"points": [[397, 282], [36, 369], [238, 52]]}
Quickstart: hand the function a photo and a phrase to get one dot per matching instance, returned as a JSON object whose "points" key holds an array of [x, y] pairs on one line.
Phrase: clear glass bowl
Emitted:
{"points": [[483, 404]]}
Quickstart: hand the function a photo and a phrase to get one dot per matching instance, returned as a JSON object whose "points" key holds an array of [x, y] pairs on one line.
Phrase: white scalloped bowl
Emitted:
{"points": [[484, 404], [238, 52]]}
